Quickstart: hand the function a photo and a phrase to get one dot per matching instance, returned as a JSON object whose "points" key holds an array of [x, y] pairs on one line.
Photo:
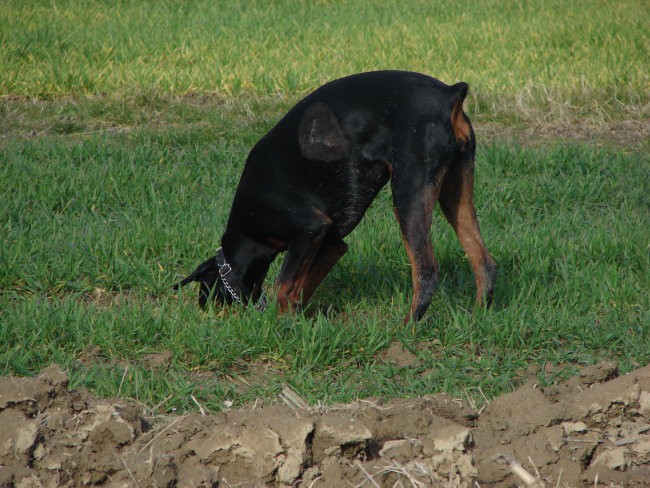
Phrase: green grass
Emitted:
{"points": [[558, 51], [123, 131], [128, 214]]}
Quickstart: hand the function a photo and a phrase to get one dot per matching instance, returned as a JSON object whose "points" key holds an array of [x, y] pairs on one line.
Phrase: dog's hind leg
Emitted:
{"points": [[301, 252], [413, 205], [457, 203]]}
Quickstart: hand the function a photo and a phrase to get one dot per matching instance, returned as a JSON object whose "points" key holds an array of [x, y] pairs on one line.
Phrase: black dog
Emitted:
{"points": [[308, 182]]}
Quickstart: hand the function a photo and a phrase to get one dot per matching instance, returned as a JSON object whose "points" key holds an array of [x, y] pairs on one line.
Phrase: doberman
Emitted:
{"points": [[308, 182]]}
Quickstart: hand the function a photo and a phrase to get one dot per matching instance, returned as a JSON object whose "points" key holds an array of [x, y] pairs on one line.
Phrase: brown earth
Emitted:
{"points": [[593, 430]]}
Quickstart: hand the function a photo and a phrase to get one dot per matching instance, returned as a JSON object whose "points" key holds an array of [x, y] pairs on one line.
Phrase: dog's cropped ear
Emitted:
{"points": [[206, 273], [320, 135]]}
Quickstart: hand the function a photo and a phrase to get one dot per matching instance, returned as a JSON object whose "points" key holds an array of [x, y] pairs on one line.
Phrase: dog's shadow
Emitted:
{"points": [[381, 283]]}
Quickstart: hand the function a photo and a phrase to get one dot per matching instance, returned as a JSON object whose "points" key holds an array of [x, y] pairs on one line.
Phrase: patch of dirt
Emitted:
{"points": [[399, 356], [157, 361], [593, 429]]}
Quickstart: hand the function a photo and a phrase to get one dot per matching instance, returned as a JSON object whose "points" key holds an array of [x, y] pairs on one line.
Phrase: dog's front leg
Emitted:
{"points": [[329, 253], [301, 252]]}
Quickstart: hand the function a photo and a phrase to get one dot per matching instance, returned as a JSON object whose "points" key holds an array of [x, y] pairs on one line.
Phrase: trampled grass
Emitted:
{"points": [[123, 131], [95, 230]]}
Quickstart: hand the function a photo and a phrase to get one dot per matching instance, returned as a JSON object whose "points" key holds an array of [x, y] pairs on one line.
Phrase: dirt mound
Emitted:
{"points": [[593, 427]]}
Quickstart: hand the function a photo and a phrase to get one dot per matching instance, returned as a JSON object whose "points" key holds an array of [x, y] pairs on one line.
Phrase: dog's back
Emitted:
{"points": [[352, 135]]}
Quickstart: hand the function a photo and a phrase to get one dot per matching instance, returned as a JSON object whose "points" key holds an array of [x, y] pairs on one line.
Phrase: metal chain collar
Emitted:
{"points": [[224, 269]]}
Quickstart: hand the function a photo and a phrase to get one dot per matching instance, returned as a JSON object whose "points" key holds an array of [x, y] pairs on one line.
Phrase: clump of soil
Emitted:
{"points": [[593, 427]]}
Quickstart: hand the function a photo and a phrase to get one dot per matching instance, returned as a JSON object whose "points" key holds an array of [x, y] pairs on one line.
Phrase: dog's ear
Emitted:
{"points": [[207, 274], [209, 266], [320, 135]]}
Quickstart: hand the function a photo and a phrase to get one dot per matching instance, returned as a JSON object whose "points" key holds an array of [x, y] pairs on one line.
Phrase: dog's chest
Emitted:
{"points": [[357, 190]]}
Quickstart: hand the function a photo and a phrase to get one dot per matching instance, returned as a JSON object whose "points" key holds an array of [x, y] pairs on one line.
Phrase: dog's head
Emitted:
{"points": [[212, 284]]}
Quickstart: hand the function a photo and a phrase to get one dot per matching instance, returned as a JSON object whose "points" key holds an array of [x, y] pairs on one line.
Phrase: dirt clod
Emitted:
{"points": [[595, 426]]}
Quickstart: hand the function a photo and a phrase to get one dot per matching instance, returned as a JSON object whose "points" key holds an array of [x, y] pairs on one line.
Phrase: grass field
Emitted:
{"points": [[510, 52], [123, 131]]}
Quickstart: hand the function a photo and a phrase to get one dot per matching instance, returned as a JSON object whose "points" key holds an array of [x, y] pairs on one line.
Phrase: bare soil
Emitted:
{"points": [[593, 430]]}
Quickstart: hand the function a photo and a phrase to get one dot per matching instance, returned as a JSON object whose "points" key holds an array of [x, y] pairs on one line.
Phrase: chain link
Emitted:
{"points": [[224, 269], [232, 292]]}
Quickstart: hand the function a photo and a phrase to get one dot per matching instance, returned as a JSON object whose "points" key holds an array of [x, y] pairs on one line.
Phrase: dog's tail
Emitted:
{"points": [[459, 121]]}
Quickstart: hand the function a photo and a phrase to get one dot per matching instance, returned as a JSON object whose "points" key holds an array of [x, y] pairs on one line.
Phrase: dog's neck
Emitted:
{"points": [[249, 261]]}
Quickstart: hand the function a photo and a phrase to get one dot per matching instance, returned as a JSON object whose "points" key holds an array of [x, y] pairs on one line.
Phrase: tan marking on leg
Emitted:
{"points": [[320, 267], [276, 243], [418, 228], [282, 291], [457, 203], [415, 278], [289, 293], [389, 167]]}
